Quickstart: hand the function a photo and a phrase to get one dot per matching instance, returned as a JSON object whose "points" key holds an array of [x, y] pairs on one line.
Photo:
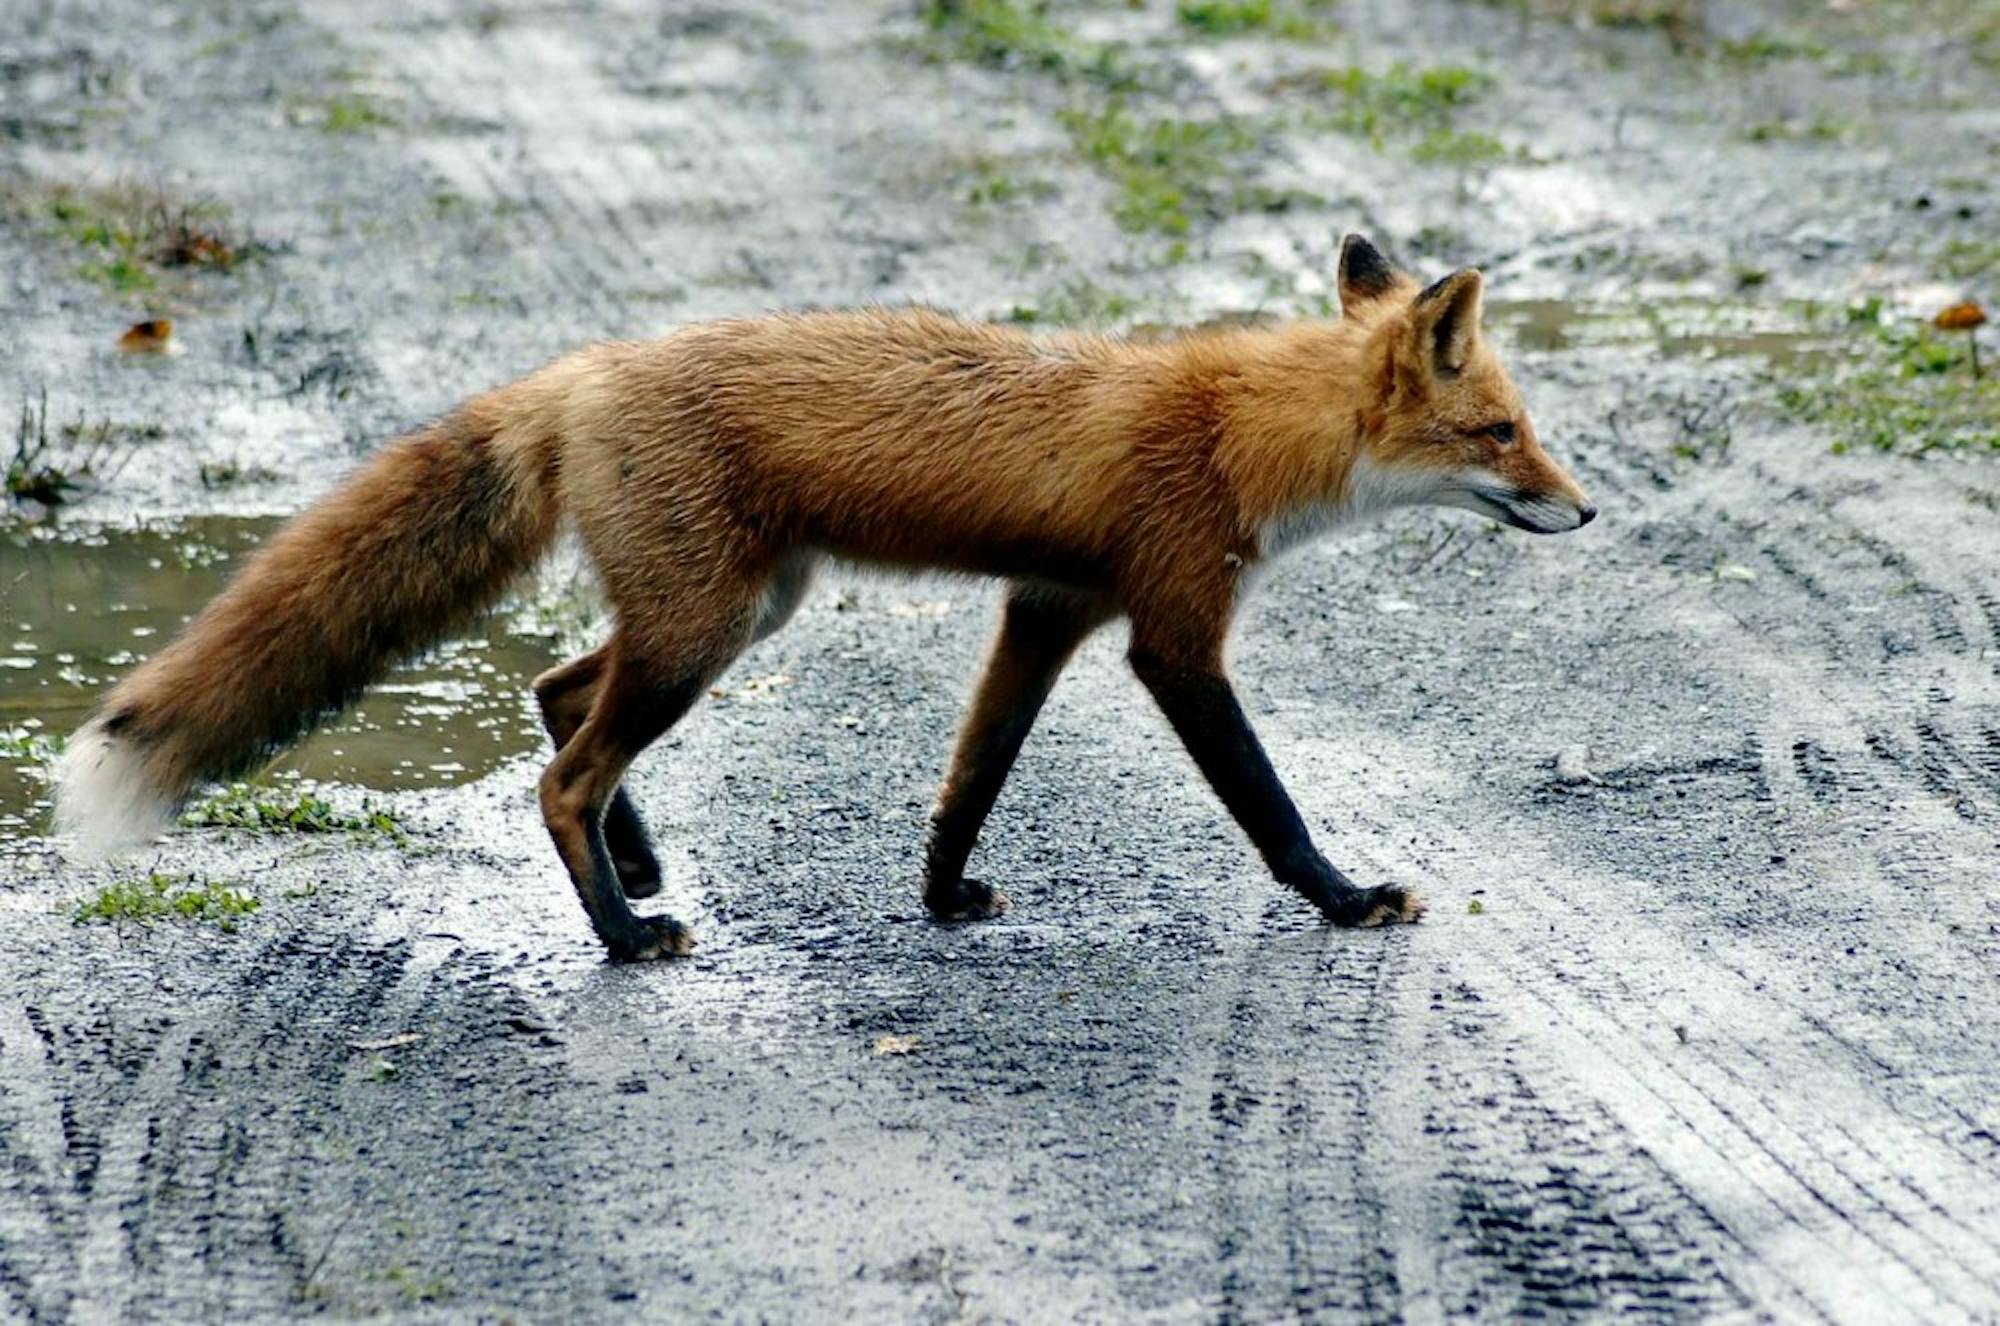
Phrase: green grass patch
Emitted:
{"points": [[993, 186], [351, 113], [162, 897], [1904, 387], [1417, 106], [1764, 47], [1076, 303], [1450, 147], [131, 236], [1170, 172], [123, 274], [270, 811], [1006, 35], [1231, 18]]}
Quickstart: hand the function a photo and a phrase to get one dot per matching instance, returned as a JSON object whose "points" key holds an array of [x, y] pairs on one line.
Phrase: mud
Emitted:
{"points": [[1704, 797]]}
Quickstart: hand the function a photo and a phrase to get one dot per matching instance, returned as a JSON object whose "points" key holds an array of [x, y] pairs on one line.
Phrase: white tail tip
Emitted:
{"points": [[104, 802]]}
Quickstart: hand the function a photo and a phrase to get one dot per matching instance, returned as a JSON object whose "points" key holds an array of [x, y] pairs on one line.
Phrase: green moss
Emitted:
{"points": [[267, 811], [161, 897]]}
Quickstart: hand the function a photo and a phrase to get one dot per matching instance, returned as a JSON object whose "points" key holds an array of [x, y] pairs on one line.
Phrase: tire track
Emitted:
{"points": [[1300, 1221], [221, 1164], [1732, 1137]]}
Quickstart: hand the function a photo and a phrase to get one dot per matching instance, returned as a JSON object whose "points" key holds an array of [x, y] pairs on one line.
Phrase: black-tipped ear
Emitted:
{"points": [[1446, 319], [1364, 273]]}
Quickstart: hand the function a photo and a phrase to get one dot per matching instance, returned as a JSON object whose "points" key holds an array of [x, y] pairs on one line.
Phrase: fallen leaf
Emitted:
{"points": [[153, 336], [1960, 317], [395, 1042], [894, 1044], [195, 248]]}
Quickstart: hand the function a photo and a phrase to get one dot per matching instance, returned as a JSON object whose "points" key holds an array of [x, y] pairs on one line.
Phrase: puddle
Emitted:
{"points": [[1678, 328], [75, 615]]}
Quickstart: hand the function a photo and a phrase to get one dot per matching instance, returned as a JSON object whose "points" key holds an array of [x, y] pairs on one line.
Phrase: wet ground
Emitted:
{"points": [[1706, 797]]}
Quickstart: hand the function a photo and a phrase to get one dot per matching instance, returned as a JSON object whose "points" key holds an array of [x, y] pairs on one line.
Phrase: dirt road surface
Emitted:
{"points": [[1705, 1022]]}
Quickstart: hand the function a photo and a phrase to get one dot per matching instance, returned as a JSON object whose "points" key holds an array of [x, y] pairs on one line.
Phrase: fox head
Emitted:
{"points": [[1445, 426]]}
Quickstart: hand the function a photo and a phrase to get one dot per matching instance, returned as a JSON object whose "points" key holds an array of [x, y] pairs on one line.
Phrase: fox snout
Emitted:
{"points": [[1546, 501], [1538, 513]]}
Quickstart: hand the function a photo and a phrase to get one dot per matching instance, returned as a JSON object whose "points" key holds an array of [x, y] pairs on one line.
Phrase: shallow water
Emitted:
{"points": [[78, 612], [1680, 328]]}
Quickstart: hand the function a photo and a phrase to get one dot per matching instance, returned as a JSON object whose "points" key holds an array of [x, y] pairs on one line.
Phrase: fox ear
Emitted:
{"points": [[1364, 273], [1445, 318]]}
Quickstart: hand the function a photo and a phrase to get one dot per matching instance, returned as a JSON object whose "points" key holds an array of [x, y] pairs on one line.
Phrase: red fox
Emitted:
{"points": [[709, 472]]}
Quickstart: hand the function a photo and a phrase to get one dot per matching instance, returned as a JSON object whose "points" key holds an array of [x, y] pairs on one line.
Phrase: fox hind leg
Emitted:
{"points": [[565, 695], [672, 641]]}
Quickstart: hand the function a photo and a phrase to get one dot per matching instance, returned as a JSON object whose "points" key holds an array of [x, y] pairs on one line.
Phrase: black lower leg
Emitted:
{"points": [[577, 796], [565, 695], [988, 756], [1039, 629], [1202, 707]]}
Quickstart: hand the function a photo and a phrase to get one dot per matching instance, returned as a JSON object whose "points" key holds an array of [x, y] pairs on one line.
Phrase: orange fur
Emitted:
{"points": [[705, 471]]}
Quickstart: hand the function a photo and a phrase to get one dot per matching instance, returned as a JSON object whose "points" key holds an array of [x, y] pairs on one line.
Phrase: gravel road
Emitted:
{"points": [[1705, 798]]}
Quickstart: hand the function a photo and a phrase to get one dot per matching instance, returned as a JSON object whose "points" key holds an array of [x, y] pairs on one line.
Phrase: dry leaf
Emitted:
{"points": [[894, 1044], [395, 1042], [150, 337], [1960, 317], [195, 248]]}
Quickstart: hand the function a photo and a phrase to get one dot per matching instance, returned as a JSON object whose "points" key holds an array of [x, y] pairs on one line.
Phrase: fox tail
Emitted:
{"points": [[420, 540]]}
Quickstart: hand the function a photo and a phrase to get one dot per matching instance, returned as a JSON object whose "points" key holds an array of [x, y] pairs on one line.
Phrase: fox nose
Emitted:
{"points": [[1585, 514]]}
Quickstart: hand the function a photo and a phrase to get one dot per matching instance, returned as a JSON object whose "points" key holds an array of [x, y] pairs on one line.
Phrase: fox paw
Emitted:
{"points": [[652, 937], [964, 900], [1392, 904], [1385, 904]]}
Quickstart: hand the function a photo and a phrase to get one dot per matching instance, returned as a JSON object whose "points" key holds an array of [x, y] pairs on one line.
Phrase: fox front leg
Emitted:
{"points": [[1040, 627], [1201, 705]]}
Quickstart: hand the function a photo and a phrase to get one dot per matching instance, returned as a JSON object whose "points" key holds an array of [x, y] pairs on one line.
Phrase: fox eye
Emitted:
{"points": [[1503, 433]]}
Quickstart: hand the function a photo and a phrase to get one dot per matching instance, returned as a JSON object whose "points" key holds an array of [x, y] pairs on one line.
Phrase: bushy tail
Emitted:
{"points": [[423, 538]]}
